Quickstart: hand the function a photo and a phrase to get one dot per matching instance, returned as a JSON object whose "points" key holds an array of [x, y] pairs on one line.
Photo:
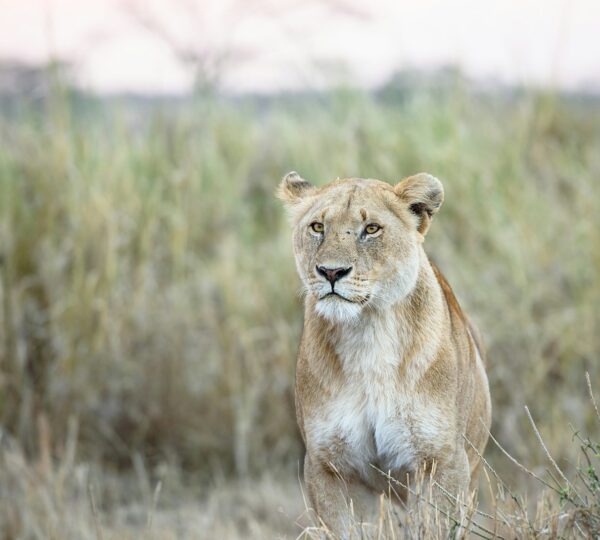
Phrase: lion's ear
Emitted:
{"points": [[424, 195], [293, 188]]}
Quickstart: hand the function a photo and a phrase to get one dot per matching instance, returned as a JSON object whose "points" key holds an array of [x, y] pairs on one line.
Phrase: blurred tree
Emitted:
{"points": [[190, 29]]}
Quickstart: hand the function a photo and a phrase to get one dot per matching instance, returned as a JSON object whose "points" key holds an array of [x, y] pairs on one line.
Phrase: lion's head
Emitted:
{"points": [[357, 242]]}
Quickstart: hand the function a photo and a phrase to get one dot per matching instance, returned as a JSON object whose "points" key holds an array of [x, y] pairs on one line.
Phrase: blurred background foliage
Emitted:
{"points": [[148, 290]]}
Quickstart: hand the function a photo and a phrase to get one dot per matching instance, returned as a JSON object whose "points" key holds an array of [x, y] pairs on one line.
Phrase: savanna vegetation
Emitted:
{"points": [[150, 311]]}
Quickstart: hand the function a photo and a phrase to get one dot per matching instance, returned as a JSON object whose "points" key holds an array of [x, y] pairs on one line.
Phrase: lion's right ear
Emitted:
{"points": [[293, 188]]}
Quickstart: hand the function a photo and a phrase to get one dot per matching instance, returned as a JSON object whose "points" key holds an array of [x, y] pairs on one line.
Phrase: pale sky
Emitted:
{"points": [[290, 44]]}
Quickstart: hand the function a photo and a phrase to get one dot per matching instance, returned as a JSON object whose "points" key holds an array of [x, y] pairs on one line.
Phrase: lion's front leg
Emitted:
{"points": [[342, 504], [451, 481]]}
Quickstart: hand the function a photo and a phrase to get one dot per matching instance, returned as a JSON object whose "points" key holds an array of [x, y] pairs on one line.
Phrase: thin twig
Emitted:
{"points": [[455, 499], [589, 385], [554, 479], [381, 516], [94, 512], [154, 505], [496, 475], [548, 455], [518, 464]]}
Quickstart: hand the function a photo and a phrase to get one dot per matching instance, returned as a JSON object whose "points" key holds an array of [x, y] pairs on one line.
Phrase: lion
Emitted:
{"points": [[390, 373]]}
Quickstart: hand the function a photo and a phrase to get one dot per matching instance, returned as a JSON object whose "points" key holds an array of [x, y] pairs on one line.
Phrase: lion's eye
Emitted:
{"points": [[317, 227], [372, 228]]}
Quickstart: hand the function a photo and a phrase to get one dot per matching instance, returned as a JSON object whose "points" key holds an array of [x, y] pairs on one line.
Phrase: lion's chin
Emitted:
{"points": [[338, 309]]}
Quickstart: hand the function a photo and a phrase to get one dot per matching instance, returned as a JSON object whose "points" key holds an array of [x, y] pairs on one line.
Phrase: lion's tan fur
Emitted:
{"points": [[391, 377]]}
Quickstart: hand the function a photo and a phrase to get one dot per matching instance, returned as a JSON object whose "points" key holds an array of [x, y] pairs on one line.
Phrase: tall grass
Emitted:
{"points": [[148, 290]]}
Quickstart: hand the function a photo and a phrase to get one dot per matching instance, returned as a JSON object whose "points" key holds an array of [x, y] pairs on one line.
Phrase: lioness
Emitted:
{"points": [[390, 374]]}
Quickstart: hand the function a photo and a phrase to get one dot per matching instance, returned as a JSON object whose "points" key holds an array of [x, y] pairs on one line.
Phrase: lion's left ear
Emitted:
{"points": [[424, 195]]}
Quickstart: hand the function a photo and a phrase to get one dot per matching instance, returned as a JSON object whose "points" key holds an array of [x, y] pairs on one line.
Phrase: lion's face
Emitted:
{"points": [[357, 242]]}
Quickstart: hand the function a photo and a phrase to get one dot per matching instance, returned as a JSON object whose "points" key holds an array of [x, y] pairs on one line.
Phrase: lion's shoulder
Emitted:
{"points": [[456, 311]]}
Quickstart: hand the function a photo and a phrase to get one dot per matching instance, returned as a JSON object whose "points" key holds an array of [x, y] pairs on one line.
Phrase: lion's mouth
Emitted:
{"points": [[363, 300], [333, 293]]}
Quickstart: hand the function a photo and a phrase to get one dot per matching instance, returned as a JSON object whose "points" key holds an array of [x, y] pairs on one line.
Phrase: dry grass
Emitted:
{"points": [[60, 498], [77, 501], [149, 296]]}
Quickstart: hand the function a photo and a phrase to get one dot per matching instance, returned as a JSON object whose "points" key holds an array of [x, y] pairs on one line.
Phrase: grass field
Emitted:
{"points": [[150, 311]]}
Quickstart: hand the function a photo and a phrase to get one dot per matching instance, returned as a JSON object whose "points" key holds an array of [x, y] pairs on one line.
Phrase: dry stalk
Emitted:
{"points": [[518, 464], [589, 385], [157, 491], [433, 505], [95, 515], [549, 456], [500, 482]]}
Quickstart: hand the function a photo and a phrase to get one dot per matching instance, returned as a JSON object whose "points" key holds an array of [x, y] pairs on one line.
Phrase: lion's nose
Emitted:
{"points": [[333, 274]]}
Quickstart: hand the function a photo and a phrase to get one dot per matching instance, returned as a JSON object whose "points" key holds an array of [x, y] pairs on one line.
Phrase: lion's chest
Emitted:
{"points": [[375, 419], [364, 425], [360, 427]]}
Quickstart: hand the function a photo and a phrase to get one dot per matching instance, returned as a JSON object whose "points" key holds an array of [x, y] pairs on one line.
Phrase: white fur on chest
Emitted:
{"points": [[374, 418], [370, 348]]}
